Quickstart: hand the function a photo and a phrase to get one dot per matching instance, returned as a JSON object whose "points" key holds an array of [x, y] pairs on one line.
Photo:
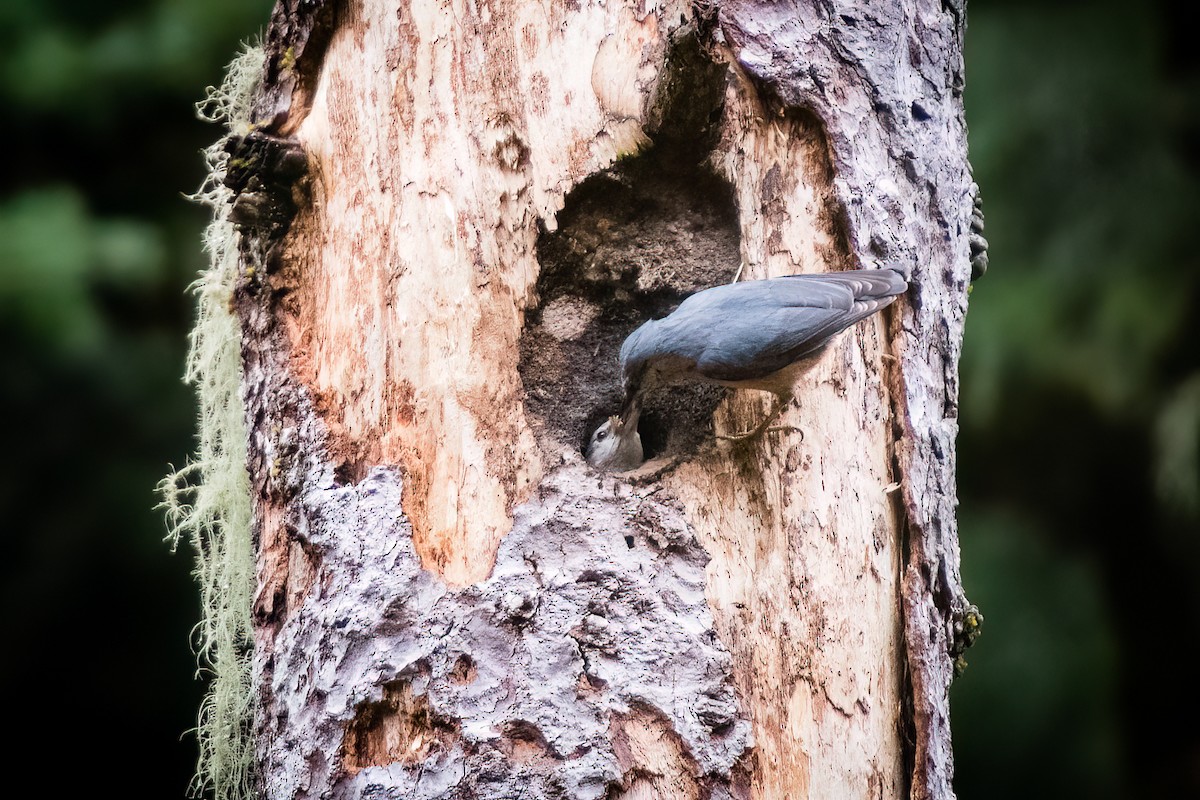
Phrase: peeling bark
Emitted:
{"points": [[450, 602]]}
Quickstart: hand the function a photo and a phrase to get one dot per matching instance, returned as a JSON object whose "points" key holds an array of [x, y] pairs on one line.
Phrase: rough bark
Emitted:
{"points": [[450, 602]]}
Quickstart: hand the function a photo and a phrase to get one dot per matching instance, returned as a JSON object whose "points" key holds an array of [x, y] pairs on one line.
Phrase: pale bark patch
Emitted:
{"points": [[492, 123]]}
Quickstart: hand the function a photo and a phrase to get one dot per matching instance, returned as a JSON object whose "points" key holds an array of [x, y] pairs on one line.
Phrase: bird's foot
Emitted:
{"points": [[763, 427], [758, 431], [780, 428]]}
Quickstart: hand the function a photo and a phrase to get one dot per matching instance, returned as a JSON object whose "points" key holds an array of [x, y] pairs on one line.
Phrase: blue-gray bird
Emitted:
{"points": [[749, 335]]}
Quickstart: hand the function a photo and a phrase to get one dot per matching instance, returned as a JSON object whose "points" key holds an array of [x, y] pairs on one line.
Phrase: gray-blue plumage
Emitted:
{"points": [[754, 334], [743, 333]]}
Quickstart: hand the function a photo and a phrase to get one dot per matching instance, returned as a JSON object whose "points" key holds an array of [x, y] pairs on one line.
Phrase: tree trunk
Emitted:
{"points": [[450, 602]]}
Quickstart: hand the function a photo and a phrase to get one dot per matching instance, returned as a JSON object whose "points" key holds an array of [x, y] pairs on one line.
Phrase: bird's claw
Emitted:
{"points": [[765, 426], [738, 437]]}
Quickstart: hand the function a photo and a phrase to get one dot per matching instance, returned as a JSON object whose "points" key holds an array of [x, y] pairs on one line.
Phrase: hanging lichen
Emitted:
{"points": [[208, 501]]}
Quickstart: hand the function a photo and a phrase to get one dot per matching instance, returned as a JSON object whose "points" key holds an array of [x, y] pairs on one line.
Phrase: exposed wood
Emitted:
{"points": [[450, 600], [426, 199]]}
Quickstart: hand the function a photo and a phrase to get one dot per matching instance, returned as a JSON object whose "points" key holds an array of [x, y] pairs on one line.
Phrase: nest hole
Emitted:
{"points": [[631, 243]]}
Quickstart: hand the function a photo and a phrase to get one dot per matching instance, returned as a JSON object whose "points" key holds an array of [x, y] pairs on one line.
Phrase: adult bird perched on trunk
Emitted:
{"points": [[750, 335]]}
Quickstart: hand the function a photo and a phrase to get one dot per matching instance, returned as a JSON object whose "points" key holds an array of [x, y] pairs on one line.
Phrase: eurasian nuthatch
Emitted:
{"points": [[750, 335]]}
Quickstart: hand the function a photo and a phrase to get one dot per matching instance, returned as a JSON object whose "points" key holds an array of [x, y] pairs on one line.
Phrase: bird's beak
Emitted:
{"points": [[628, 417]]}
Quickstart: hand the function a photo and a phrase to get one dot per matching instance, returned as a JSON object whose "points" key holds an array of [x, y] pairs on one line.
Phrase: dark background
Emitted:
{"points": [[1080, 410]]}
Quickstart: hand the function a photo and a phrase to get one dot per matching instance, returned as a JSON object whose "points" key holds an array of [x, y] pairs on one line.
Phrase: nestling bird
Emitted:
{"points": [[749, 335]]}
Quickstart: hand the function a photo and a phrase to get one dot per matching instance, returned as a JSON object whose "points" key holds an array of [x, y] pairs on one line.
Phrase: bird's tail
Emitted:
{"points": [[874, 289], [868, 284], [879, 284]]}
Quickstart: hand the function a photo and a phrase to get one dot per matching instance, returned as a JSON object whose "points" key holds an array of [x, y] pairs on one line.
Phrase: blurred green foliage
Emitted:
{"points": [[1080, 409], [1079, 474], [1074, 134], [1038, 701], [57, 254]]}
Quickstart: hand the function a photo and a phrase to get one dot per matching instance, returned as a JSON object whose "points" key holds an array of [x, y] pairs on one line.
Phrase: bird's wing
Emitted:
{"points": [[766, 325]]}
